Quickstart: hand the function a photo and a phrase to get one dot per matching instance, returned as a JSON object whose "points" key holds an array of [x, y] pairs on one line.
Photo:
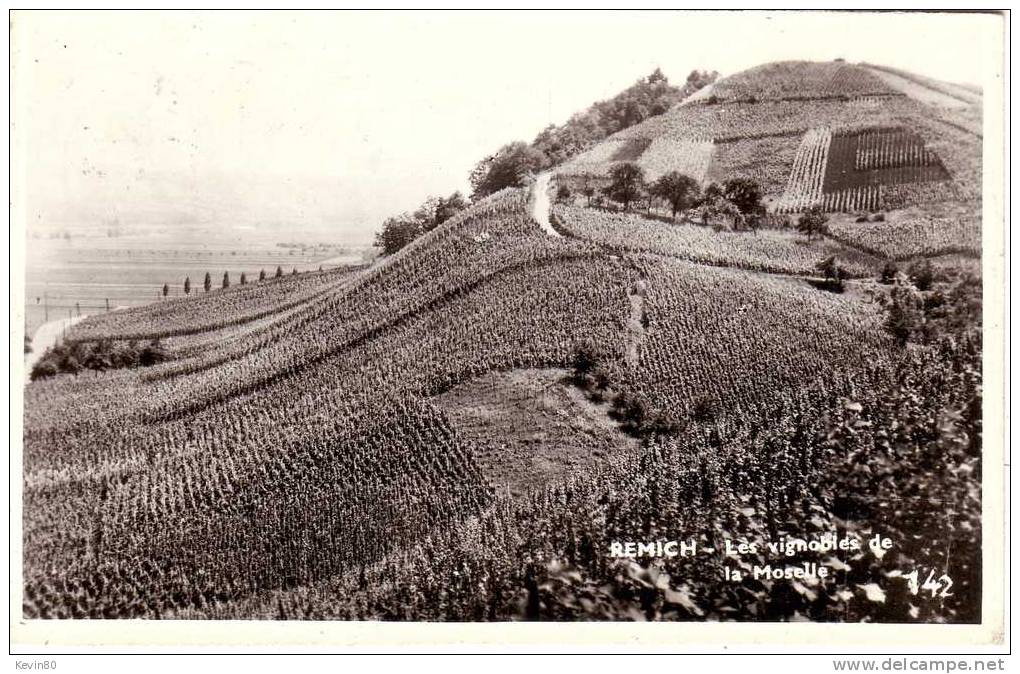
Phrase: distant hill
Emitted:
{"points": [[848, 137]]}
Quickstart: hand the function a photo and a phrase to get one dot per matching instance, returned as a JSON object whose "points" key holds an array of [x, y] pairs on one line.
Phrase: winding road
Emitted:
{"points": [[46, 336], [540, 204]]}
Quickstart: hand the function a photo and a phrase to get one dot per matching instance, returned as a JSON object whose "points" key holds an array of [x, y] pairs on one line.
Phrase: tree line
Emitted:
{"points": [[207, 283], [738, 200], [514, 163]]}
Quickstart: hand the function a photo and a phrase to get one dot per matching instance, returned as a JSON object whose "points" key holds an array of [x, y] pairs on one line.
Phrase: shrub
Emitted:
{"points": [[812, 222], [889, 273], [922, 274]]}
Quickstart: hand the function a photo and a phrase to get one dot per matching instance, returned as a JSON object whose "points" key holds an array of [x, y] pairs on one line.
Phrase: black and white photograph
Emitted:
{"points": [[349, 318]]}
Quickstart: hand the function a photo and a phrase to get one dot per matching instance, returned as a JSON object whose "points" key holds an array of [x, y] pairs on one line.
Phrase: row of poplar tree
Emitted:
{"points": [[207, 283]]}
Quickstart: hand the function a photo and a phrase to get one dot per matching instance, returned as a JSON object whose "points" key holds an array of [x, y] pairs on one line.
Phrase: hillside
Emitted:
{"points": [[852, 137], [459, 431]]}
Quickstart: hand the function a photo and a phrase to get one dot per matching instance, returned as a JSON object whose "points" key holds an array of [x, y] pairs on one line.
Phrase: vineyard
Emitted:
{"points": [[778, 252], [597, 160], [689, 157], [211, 310], [830, 134], [879, 157], [807, 177], [798, 80], [903, 239], [542, 560], [460, 430], [707, 329], [767, 161]]}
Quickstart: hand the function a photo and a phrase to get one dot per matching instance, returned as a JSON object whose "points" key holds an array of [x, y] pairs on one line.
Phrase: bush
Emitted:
{"points": [[44, 368], [889, 273], [706, 408], [922, 274], [831, 270], [813, 222], [100, 355], [152, 354]]}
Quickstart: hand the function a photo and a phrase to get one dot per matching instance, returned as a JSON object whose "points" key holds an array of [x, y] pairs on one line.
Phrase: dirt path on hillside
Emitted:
{"points": [[540, 204], [635, 323]]}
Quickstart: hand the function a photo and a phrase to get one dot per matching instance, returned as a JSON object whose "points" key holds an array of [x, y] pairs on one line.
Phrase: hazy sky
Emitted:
{"points": [[335, 120]]}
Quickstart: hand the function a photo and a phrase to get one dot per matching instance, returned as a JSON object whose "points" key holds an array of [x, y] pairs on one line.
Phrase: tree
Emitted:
{"points": [[562, 193], [698, 79], [447, 208], [832, 272], [101, 357], [166, 289], [396, 232], [279, 271], [657, 76], [262, 274], [433, 212], [187, 285], [44, 368], [588, 186], [812, 222], [922, 274], [744, 193], [889, 273], [713, 192], [226, 279], [244, 278], [508, 167], [626, 182], [720, 207], [400, 230], [293, 272], [677, 189], [153, 353], [208, 282], [586, 359], [903, 313], [756, 219]]}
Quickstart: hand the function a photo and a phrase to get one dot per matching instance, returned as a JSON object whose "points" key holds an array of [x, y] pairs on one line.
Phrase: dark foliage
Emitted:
{"points": [[812, 222], [679, 191], [744, 193], [400, 230], [100, 355], [626, 183]]}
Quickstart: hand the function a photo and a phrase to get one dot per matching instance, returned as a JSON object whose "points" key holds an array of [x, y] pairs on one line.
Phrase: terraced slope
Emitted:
{"points": [[892, 145]]}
